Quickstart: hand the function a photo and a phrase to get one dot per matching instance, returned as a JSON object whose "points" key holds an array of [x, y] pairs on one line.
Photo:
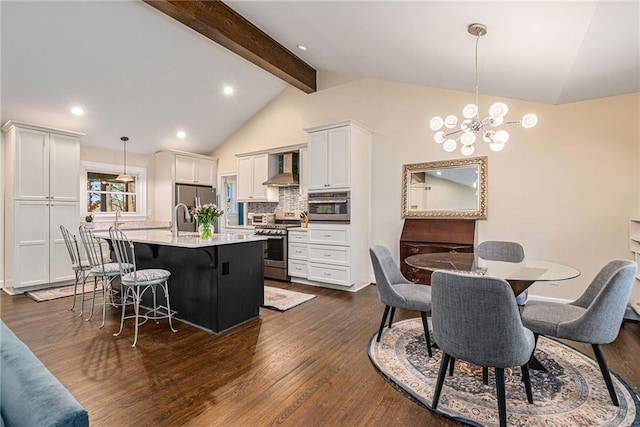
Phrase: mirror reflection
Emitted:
{"points": [[446, 189]]}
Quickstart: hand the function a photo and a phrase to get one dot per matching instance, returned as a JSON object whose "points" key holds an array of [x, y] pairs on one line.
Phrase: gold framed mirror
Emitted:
{"points": [[445, 189]]}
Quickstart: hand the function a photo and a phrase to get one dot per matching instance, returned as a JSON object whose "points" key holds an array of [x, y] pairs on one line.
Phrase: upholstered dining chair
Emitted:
{"points": [[594, 318], [136, 282], [496, 250], [81, 267], [396, 291], [102, 269], [476, 319]]}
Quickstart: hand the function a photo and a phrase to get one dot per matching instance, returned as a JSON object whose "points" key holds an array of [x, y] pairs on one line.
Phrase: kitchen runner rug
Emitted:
{"points": [[572, 393], [60, 292], [283, 299]]}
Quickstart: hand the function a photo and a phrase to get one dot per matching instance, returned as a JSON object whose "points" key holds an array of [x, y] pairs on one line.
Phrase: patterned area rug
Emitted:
{"points": [[572, 393], [282, 299], [60, 292]]}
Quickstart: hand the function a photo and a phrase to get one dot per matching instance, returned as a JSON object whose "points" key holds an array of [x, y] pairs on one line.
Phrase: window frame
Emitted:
{"points": [[141, 190]]}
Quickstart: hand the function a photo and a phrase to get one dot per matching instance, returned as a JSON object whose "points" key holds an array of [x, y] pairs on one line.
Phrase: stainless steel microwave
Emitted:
{"points": [[330, 206]]}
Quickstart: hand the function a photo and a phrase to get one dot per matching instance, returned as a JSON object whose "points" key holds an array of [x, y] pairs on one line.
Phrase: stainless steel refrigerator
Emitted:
{"points": [[192, 196]]}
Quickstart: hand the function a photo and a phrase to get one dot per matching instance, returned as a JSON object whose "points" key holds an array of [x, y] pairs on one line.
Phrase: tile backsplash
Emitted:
{"points": [[289, 199]]}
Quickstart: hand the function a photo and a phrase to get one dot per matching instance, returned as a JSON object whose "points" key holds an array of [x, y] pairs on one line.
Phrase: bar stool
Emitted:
{"points": [[136, 282], [81, 268], [101, 269]]}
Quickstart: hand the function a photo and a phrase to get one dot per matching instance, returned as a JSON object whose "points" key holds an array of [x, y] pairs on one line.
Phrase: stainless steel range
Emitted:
{"points": [[275, 248]]}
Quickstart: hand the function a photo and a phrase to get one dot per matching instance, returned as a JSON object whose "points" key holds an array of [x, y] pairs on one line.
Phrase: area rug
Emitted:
{"points": [[60, 292], [283, 299], [572, 393]]}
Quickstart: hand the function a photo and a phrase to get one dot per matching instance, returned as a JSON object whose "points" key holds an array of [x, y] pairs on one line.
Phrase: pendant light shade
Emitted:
{"points": [[125, 177]]}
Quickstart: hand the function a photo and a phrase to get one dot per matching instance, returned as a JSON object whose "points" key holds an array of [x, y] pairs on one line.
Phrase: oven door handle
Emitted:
{"points": [[316, 202], [274, 237]]}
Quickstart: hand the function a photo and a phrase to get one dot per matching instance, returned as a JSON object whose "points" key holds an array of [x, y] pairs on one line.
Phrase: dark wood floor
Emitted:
{"points": [[307, 366]]}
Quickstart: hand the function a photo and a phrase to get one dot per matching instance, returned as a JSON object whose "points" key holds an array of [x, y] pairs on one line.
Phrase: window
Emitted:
{"points": [[103, 195]]}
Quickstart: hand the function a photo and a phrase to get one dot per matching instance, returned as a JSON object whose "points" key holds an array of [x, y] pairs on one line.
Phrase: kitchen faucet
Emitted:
{"points": [[118, 212], [175, 217]]}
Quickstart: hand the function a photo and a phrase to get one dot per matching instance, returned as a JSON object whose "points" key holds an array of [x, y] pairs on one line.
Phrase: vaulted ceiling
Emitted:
{"points": [[140, 73]]}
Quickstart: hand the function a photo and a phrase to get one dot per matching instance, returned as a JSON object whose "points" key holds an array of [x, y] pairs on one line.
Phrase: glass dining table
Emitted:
{"points": [[520, 275]]}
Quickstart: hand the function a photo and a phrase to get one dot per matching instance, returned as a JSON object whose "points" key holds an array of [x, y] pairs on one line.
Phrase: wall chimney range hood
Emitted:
{"points": [[288, 176]]}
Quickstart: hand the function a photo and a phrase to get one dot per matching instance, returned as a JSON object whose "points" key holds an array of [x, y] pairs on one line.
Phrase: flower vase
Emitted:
{"points": [[206, 231]]}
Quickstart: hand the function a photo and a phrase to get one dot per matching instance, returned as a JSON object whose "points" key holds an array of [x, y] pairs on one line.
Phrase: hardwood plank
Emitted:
{"points": [[220, 23], [306, 366]]}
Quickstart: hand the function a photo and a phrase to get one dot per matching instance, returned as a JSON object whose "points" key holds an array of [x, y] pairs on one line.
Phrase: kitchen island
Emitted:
{"points": [[215, 283]]}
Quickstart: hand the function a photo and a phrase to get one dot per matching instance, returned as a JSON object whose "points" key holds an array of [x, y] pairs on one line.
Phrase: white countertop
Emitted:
{"points": [[187, 239]]}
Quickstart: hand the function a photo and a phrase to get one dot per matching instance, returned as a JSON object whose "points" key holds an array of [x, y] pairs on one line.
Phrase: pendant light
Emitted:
{"points": [[124, 177], [465, 130]]}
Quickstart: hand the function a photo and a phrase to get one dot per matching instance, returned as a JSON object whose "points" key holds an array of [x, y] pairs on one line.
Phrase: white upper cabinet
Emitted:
{"points": [[196, 170], [330, 155], [47, 165], [252, 172]]}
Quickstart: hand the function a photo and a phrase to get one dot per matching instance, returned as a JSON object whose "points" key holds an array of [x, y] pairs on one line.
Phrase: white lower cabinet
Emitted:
{"points": [[330, 254], [40, 254], [298, 251]]}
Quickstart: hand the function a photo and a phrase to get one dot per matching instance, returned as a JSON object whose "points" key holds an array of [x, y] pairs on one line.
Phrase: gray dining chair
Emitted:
{"points": [[496, 250], [396, 291], [136, 282], [476, 319], [81, 267], [594, 318]]}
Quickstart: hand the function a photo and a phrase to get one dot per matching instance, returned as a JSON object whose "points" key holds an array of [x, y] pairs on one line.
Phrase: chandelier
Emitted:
{"points": [[467, 130]]}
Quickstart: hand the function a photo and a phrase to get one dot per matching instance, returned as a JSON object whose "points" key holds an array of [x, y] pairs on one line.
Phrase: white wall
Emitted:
{"points": [[564, 189]]}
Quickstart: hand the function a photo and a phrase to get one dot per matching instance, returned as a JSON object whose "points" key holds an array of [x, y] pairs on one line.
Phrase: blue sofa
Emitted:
{"points": [[30, 395]]}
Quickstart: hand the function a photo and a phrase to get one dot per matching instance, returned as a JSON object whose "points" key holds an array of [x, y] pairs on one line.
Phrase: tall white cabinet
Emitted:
{"points": [[42, 188], [340, 159]]}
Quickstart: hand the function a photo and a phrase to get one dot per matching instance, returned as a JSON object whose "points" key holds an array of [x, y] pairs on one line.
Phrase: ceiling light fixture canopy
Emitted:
{"points": [[465, 130], [124, 177]]}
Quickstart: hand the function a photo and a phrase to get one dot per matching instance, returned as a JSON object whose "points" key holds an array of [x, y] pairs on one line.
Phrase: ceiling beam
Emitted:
{"points": [[218, 22]]}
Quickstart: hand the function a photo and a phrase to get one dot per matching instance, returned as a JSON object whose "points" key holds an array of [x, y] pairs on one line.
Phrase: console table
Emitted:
{"points": [[421, 236]]}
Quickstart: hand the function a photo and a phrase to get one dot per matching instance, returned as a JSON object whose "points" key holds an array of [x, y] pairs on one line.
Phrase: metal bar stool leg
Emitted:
{"points": [[166, 293]]}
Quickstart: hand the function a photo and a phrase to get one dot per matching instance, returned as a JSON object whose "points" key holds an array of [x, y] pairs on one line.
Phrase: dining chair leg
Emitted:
{"points": [[605, 373], [452, 364], [166, 294], [501, 395], [384, 319], [105, 286], [485, 375], [425, 325], [441, 375], [527, 382], [93, 298], [84, 281], [393, 312], [75, 290], [155, 303], [124, 307], [137, 296]]}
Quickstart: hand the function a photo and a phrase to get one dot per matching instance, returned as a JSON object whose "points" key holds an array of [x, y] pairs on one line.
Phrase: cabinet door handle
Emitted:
{"points": [[327, 235], [415, 250], [327, 274], [327, 255]]}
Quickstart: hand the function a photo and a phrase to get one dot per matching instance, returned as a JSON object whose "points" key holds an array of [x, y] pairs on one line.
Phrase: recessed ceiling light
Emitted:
{"points": [[77, 111], [228, 90], [301, 47], [181, 134]]}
